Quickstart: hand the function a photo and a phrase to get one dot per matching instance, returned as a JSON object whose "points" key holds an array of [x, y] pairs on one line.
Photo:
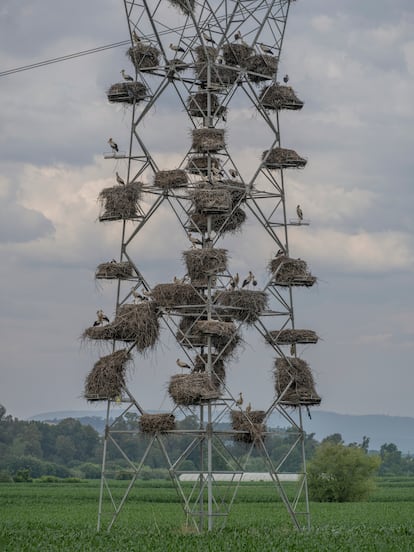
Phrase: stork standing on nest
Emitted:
{"points": [[208, 38], [266, 49], [286, 79], [234, 281], [194, 241], [100, 318], [182, 364], [135, 37], [137, 296], [250, 279], [299, 212], [239, 401], [120, 180], [280, 253], [248, 408], [113, 145], [126, 76], [175, 48]]}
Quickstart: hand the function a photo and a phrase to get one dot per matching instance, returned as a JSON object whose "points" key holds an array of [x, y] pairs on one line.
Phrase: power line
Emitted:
{"points": [[63, 58]]}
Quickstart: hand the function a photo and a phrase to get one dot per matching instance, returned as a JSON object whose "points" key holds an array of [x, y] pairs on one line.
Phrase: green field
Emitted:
{"points": [[62, 517]]}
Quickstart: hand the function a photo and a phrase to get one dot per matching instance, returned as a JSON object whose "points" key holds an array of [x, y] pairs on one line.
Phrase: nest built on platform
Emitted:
{"points": [[191, 389], [186, 6], [219, 223], [144, 56], [291, 272], [114, 271], [277, 96], [289, 337], [127, 92], [211, 200], [186, 334], [237, 54], [205, 262], [198, 105], [133, 323], [193, 332], [176, 295], [156, 423], [302, 389], [201, 164], [208, 70], [236, 189], [120, 202], [208, 140], [176, 178], [251, 423], [244, 305], [261, 67], [283, 158], [107, 378]]}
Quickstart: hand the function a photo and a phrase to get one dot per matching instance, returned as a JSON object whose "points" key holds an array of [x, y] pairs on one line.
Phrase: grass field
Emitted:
{"points": [[62, 517]]}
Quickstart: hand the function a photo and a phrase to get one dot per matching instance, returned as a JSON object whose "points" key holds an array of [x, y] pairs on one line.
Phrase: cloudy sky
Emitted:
{"points": [[351, 62]]}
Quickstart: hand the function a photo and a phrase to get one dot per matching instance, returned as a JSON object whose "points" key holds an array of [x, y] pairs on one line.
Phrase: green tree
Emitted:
{"points": [[339, 473]]}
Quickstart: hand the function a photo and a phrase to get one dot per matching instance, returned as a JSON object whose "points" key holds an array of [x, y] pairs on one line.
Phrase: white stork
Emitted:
{"points": [[299, 212], [182, 364], [286, 79], [194, 241], [233, 173], [265, 49], [175, 48], [250, 279], [135, 37], [126, 76], [113, 145], [100, 318], [234, 281], [239, 401], [120, 180], [208, 38]]}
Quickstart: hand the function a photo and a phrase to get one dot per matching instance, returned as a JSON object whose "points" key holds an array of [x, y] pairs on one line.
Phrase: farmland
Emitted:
{"points": [[62, 516]]}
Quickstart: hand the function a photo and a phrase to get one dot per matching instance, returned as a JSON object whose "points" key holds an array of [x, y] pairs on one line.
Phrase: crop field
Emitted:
{"points": [[62, 517]]}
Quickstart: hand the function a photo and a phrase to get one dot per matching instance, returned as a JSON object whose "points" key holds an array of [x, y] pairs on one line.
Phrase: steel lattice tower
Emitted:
{"points": [[207, 52]]}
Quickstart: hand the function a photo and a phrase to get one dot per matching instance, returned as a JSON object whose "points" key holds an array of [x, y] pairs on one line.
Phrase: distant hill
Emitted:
{"points": [[378, 427]]}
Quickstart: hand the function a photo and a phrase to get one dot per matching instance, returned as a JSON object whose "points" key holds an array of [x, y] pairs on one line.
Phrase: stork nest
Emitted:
{"points": [[120, 202], [277, 96], [219, 223], [288, 337], [176, 66], [211, 200], [176, 295], [218, 372], [186, 334], [175, 178], [114, 271], [205, 54], [208, 140], [144, 57], [237, 190], [237, 54], [241, 304], [127, 92], [185, 6], [221, 76], [302, 389], [200, 165], [192, 389], [282, 158], [133, 323], [251, 423], [197, 105], [261, 67], [205, 262], [156, 423], [107, 378], [193, 332], [290, 272]]}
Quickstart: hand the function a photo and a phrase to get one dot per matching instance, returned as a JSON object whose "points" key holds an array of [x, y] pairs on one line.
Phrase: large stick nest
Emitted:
{"points": [[186, 6], [197, 105], [208, 140], [156, 423], [205, 262], [144, 57], [211, 200], [219, 74], [176, 295], [261, 67], [205, 53], [200, 164], [244, 305], [251, 423], [120, 202], [237, 54], [218, 371], [127, 92], [191, 389], [290, 336], [283, 158], [277, 96], [133, 323], [290, 272], [193, 332], [219, 223], [114, 271], [107, 378], [302, 390], [187, 335], [237, 189], [176, 178]]}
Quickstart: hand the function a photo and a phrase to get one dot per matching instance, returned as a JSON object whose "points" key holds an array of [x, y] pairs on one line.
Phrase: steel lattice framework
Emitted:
{"points": [[207, 51]]}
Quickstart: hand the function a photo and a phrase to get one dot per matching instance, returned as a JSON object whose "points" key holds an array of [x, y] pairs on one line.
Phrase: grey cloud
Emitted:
{"points": [[19, 224]]}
